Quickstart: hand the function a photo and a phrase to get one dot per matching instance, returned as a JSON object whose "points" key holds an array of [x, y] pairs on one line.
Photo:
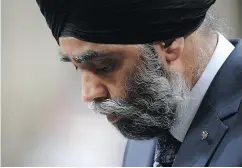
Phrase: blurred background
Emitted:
{"points": [[44, 122]]}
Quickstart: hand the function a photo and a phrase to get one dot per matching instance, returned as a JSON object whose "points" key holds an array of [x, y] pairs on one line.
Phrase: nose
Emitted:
{"points": [[92, 88]]}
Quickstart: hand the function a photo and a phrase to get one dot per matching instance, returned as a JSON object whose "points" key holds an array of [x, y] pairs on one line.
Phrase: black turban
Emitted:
{"points": [[124, 21]]}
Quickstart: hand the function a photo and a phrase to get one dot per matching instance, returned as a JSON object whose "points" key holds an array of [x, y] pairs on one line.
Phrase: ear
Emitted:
{"points": [[175, 50], [172, 53]]}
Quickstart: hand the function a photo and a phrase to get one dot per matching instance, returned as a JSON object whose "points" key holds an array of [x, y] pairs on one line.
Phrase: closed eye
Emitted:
{"points": [[105, 69]]}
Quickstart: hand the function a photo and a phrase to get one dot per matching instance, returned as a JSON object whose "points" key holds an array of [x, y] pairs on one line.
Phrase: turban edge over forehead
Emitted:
{"points": [[124, 21]]}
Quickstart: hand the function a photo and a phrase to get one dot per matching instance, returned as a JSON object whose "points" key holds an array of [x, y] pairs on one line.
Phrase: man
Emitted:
{"points": [[161, 73]]}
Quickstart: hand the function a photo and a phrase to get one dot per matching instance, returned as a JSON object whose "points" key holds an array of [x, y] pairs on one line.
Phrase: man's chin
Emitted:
{"points": [[131, 130]]}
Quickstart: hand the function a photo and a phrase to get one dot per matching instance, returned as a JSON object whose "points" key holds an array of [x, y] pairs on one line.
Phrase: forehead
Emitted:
{"points": [[73, 46]]}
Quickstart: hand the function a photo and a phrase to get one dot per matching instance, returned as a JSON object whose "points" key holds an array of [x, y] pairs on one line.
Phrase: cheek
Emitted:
{"points": [[117, 90], [119, 78], [116, 86]]}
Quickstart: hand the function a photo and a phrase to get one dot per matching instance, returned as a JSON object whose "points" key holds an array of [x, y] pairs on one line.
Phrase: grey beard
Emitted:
{"points": [[152, 97]]}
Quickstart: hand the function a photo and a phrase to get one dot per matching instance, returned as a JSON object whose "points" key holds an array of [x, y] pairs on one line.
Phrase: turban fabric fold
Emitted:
{"points": [[124, 21]]}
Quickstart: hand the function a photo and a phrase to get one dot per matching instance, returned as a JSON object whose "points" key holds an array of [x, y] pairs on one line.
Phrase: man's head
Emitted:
{"points": [[140, 87], [134, 85]]}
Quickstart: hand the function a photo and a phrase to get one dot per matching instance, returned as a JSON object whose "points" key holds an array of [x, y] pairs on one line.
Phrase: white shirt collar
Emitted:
{"points": [[186, 114]]}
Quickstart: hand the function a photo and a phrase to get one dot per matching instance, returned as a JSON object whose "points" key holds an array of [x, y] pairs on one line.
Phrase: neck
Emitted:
{"points": [[198, 56]]}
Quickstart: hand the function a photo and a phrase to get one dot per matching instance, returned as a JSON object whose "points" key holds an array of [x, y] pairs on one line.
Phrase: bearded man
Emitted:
{"points": [[161, 72]]}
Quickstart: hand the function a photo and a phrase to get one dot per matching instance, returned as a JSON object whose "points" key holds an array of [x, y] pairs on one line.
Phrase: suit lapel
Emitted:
{"points": [[220, 102], [202, 139]]}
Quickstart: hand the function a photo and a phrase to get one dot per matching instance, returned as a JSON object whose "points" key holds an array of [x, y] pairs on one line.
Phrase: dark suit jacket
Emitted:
{"points": [[220, 114]]}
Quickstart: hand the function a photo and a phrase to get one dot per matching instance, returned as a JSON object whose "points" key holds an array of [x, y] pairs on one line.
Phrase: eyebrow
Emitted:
{"points": [[87, 56]]}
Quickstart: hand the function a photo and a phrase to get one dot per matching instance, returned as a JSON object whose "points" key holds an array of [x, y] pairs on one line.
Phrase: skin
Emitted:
{"points": [[110, 85]]}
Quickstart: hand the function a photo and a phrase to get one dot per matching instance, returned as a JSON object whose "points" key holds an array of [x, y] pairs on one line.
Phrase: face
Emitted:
{"points": [[129, 84]]}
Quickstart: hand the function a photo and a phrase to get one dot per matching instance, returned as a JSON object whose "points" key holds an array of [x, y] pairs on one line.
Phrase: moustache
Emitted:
{"points": [[128, 111], [112, 106]]}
